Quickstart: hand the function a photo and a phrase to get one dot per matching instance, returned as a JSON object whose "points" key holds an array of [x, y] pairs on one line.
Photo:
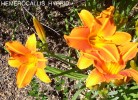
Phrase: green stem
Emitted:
{"points": [[78, 92], [69, 73], [57, 57], [65, 72]]}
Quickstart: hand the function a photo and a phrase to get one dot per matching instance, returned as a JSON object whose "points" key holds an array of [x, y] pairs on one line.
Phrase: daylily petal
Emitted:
{"points": [[40, 73], [95, 29], [108, 28], [84, 62], [112, 67], [14, 62], [16, 47], [108, 52], [93, 58], [107, 13], [99, 66], [41, 60], [86, 18], [128, 51], [78, 37], [106, 19], [109, 67], [95, 77], [111, 77], [31, 43], [20, 58], [39, 30], [25, 74], [130, 73], [119, 38]]}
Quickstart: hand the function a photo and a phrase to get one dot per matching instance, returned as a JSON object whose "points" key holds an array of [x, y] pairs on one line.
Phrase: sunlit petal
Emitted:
{"points": [[78, 37], [130, 73], [80, 32], [14, 62], [86, 18], [16, 47], [106, 19], [84, 62], [25, 74], [108, 28], [41, 60], [128, 51], [31, 43], [94, 59], [95, 77], [119, 38], [40, 73], [20, 58], [112, 67], [108, 52]]}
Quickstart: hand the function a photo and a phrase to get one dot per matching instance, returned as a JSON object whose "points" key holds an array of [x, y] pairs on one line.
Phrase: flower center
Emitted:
{"points": [[31, 58], [96, 40]]}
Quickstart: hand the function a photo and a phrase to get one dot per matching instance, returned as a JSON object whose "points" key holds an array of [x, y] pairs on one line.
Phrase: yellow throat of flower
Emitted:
{"points": [[31, 58], [97, 41], [112, 67]]}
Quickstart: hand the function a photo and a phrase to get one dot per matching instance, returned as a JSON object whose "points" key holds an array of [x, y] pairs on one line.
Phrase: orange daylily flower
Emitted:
{"points": [[110, 71], [98, 34], [28, 61]]}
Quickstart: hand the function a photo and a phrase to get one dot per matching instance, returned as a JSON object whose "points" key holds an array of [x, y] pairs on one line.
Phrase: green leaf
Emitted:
{"points": [[134, 88], [136, 27], [113, 93], [77, 93], [69, 73], [134, 95]]}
